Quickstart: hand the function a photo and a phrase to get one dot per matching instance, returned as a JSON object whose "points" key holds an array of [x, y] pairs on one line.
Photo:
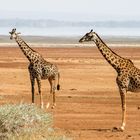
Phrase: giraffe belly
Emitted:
{"points": [[134, 90], [48, 74], [134, 86], [44, 77]]}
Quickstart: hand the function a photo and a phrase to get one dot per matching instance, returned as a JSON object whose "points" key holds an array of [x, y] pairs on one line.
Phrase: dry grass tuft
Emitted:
{"points": [[26, 122]]}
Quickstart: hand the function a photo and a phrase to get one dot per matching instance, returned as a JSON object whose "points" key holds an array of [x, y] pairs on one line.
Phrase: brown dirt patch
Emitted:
{"points": [[88, 104]]}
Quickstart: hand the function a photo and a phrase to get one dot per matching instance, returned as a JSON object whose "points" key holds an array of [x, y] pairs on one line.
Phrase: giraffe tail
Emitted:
{"points": [[58, 85]]}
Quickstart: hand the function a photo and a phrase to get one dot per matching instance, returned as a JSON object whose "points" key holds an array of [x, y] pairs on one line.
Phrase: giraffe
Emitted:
{"points": [[38, 68], [128, 76]]}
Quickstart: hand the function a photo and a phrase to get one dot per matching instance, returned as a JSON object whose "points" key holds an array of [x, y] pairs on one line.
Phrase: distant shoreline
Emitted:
{"points": [[70, 41]]}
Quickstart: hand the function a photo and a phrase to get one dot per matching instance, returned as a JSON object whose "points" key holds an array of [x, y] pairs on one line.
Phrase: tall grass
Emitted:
{"points": [[26, 122]]}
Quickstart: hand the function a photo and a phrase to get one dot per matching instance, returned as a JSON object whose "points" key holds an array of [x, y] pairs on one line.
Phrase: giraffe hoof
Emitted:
{"points": [[118, 129], [33, 104], [121, 128], [53, 106], [48, 105]]}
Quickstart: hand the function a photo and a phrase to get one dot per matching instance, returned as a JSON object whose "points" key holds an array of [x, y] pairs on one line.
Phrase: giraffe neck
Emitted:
{"points": [[28, 52], [113, 59]]}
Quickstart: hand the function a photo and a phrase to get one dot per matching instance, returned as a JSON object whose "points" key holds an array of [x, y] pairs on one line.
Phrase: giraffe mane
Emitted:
{"points": [[107, 46]]}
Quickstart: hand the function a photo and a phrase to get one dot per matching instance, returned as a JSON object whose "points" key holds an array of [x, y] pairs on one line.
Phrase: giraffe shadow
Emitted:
{"points": [[114, 129], [100, 129], [103, 130]]}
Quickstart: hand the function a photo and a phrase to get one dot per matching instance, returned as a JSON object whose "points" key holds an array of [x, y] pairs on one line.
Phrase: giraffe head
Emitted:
{"points": [[91, 36], [13, 33]]}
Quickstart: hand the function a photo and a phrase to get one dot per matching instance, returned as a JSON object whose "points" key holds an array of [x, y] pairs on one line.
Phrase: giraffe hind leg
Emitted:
{"points": [[54, 89], [32, 87], [50, 81], [39, 90], [52, 92]]}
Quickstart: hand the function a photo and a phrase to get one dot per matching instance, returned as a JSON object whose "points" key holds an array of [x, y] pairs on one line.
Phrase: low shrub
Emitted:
{"points": [[26, 122]]}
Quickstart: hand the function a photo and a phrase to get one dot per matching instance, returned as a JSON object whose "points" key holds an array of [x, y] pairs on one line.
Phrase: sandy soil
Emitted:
{"points": [[88, 104]]}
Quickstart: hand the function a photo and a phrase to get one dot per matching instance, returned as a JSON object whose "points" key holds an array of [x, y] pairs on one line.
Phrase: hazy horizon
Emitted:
{"points": [[69, 28], [71, 17]]}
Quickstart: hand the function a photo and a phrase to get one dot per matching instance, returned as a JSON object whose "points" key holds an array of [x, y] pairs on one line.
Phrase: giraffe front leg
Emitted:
{"points": [[123, 103], [39, 88], [39, 91], [32, 87]]}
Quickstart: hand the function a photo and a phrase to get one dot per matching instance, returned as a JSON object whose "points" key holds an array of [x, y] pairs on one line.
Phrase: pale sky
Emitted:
{"points": [[71, 9]]}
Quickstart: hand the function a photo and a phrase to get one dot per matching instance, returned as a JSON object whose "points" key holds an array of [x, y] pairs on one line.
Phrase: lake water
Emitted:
{"points": [[72, 31]]}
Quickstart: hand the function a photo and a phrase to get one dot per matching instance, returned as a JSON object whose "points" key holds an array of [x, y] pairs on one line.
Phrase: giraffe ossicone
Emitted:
{"points": [[38, 68]]}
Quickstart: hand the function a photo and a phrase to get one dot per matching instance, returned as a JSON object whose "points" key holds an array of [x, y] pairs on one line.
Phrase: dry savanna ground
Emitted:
{"points": [[88, 104]]}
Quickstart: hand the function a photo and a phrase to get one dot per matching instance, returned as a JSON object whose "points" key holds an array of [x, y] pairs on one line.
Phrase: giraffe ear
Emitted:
{"points": [[10, 32]]}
